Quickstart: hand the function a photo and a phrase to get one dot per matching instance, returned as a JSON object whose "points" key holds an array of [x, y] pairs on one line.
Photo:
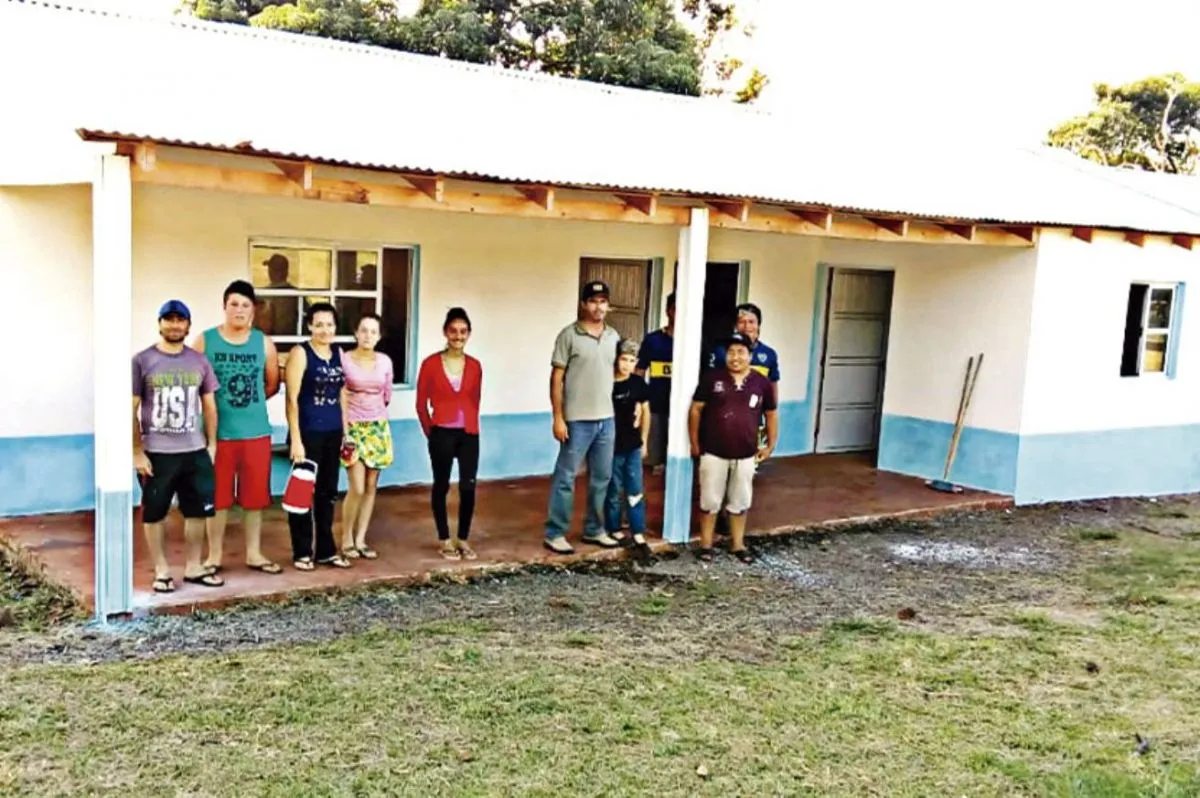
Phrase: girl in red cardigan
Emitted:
{"points": [[450, 383]]}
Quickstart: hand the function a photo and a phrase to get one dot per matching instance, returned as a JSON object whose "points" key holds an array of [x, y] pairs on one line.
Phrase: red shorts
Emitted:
{"points": [[248, 464]]}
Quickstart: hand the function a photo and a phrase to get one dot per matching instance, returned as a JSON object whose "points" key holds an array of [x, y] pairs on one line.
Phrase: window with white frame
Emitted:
{"points": [[289, 276], [1149, 325]]}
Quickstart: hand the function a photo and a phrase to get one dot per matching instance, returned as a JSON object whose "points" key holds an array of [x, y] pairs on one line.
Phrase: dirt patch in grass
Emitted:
{"points": [[30, 603], [831, 667]]}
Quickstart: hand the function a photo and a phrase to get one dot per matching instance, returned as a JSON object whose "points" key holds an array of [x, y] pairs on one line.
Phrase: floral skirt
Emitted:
{"points": [[372, 444]]}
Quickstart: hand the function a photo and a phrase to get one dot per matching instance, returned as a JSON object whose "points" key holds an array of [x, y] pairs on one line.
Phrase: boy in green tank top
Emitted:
{"points": [[247, 367]]}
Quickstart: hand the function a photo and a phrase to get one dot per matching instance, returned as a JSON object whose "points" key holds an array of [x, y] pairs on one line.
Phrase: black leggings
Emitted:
{"points": [[324, 449], [446, 445]]}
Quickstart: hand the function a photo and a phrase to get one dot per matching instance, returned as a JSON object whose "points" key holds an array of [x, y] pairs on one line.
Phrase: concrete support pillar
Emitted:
{"points": [[685, 372], [112, 306]]}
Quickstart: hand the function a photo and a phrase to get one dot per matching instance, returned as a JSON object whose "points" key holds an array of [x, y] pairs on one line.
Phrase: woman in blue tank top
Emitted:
{"points": [[315, 427]]}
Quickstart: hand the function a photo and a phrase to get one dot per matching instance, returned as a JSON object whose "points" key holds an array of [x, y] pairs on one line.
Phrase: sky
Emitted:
{"points": [[1005, 71]]}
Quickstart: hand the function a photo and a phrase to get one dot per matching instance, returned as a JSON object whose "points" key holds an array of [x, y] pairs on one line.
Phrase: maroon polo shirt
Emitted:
{"points": [[729, 423]]}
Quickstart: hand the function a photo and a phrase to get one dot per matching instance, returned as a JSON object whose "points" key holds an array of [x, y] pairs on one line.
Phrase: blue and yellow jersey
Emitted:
{"points": [[763, 359], [655, 357]]}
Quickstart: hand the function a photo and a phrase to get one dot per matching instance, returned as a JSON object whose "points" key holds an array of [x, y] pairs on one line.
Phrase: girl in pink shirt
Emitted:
{"points": [[368, 446]]}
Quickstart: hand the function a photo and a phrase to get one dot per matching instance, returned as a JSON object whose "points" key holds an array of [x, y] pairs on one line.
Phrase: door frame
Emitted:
{"points": [[653, 315], [820, 344]]}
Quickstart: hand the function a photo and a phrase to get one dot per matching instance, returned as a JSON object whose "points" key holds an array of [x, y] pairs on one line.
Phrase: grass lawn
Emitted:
{"points": [[977, 695]]}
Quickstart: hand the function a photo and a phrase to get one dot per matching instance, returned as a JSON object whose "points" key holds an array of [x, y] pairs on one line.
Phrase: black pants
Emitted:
{"points": [[445, 446], [324, 449]]}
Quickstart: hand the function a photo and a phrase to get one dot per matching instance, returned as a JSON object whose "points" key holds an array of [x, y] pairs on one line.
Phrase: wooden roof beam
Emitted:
{"points": [[734, 209], [432, 187], [897, 227], [1083, 233], [542, 196], [1136, 238], [966, 231], [822, 220], [1025, 232], [646, 203], [1183, 241], [299, 173]]}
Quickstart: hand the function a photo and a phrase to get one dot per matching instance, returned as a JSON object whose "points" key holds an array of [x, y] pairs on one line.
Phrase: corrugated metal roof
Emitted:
{"points": [[207, 84]]}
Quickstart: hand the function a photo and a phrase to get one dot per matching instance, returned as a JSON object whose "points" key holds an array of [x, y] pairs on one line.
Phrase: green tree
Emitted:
{"points": [[1151, 124], [637, 43]]}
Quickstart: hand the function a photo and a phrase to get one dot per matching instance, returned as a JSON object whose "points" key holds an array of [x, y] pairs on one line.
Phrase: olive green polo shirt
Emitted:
{"points": [[589, 362]]}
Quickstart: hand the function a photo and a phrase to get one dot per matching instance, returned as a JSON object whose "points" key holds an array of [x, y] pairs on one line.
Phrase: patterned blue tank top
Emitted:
{"points": [[319, 401]]}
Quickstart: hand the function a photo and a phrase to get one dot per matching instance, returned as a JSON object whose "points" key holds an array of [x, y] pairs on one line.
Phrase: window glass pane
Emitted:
{"points": [[1160, 308], [357, 271], [396, 276], [350, 309], [278, 315], [1155, 358], [287, 267]]}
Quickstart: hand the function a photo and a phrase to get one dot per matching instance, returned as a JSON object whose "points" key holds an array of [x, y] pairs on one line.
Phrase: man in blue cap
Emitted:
{"points": [[175, 442]]}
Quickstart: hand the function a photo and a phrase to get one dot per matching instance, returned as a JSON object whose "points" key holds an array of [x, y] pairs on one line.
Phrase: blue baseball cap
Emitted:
{"points": [[174, 306]]}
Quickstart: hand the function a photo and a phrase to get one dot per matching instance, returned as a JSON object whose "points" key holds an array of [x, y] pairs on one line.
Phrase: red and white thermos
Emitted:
{"points": [[298, 495]]}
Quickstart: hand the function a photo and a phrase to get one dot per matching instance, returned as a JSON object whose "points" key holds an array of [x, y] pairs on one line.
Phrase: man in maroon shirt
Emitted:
{"points": [[723, 426]]}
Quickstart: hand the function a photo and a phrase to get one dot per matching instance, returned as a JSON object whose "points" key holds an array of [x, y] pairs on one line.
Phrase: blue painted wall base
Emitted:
{"points": [[986, 459], [677, 504], [55, 473], [113, 561]]}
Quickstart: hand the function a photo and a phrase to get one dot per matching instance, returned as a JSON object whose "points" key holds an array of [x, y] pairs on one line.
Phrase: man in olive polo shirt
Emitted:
{"points": [[581, 383]]}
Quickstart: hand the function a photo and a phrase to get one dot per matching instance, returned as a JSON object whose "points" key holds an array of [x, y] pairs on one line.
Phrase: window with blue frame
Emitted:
{"points": [[1150, 329]]}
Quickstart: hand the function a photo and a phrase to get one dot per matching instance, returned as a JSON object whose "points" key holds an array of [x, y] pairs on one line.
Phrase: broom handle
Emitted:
{"points": [[962, 400], [963, 416]]}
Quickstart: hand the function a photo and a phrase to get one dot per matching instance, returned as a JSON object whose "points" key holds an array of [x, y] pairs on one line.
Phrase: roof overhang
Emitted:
{"points": [[243, 172]]}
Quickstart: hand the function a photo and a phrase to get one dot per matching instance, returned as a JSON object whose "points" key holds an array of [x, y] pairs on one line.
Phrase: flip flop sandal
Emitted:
{"points": [[265, 567], [205, 580], [163, 584], [352, 553], [745, 555], [336, 561], [465, 551], [213, 569], [449, 551], [304, 564], [368, 553], [705, 555]]}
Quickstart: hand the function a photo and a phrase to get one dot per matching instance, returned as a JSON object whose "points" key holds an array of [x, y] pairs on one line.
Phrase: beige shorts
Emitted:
{"points": [[728, 482]]}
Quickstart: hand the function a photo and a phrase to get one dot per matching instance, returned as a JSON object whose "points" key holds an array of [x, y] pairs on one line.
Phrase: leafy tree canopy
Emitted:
{"points": [[662, 45], [1151, 124]]}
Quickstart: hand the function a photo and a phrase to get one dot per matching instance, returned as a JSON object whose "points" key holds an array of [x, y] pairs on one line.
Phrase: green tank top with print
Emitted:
{"points": [[241, 371]]}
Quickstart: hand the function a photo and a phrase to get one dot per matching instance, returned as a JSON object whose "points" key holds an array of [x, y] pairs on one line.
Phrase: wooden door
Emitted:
{"points": [[629, 286]]}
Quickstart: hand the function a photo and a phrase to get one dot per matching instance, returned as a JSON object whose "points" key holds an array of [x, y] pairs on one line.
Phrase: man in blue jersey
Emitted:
{"points": [[654, 359], [763, 358]]}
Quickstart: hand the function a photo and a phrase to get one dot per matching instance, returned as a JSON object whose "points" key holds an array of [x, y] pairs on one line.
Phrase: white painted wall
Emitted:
{"points": [[1078, 325], [46, 268], [951, 302], [517, 278]]}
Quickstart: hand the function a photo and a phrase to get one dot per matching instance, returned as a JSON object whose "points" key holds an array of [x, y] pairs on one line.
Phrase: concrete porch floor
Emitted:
{"points": [[790, 494]]}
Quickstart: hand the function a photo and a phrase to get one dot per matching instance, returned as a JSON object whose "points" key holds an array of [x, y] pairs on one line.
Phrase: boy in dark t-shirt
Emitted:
{"points": [[631, 415]]}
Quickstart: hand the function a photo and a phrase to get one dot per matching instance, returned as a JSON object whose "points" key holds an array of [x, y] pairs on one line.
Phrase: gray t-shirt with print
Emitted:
{"points": [[170, 387], [588, 361]]}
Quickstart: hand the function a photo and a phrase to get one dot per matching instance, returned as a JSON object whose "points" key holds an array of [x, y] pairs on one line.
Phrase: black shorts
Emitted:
{"points": [[188, 475]]}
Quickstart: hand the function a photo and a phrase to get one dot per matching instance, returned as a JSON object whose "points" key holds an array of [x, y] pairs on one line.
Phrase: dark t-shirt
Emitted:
{"points": [[729, 424], [626, 395]]}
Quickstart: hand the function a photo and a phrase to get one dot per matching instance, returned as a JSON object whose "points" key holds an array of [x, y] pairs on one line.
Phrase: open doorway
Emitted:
{"points": [[854, 360], [724, 288]]}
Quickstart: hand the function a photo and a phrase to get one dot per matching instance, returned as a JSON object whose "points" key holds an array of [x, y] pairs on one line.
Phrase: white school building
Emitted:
{"points": [[166, 158]]}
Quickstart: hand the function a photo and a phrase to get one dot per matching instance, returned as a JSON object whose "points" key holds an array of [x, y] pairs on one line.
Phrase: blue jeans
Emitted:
{"points": [[593, 441], [627, 478]]}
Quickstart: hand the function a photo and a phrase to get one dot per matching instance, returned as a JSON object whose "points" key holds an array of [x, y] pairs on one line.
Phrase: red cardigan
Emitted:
{"points": [[433, 387]]}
